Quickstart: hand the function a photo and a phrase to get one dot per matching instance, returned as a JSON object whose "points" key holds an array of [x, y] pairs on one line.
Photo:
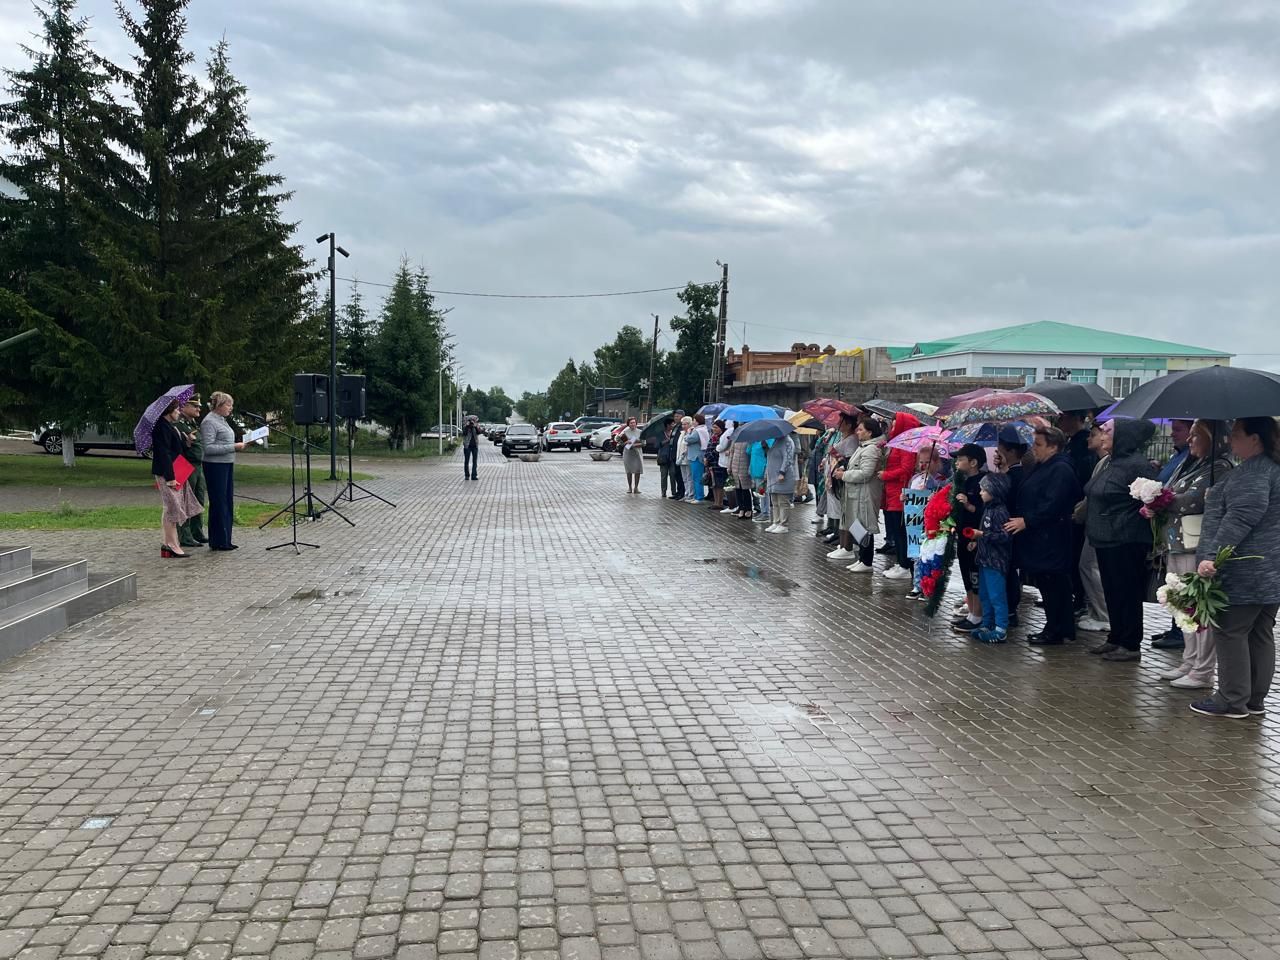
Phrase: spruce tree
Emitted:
{"points": [[355, 334], [60, 123], [405, 356]]}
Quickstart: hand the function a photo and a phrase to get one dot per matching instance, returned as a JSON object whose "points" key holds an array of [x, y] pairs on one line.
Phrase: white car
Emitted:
{"points": [[602, 439], [561, 434]]}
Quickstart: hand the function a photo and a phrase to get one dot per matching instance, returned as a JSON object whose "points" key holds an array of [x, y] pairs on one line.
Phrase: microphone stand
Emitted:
{"points": [[297, 498]]}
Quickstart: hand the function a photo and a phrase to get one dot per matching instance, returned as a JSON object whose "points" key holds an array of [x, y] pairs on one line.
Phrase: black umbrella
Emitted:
{"points": [[1101, 395], [1068, 395], [1210, 393], [759, 430], [889, 409]]}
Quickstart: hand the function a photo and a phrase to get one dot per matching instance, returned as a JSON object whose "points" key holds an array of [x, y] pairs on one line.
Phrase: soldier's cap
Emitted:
{"points": [[194, 398]]}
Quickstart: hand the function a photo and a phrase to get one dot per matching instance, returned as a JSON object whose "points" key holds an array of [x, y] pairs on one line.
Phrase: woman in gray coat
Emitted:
{"points": [[780, 467], [1243, 511], [863, 492]]}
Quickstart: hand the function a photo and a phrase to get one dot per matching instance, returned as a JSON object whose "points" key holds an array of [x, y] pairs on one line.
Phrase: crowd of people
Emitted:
{"points": [[1057, 514]]}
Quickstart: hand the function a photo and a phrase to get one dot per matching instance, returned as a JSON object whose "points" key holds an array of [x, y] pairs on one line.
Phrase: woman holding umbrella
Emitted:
{"points": [[781, 471], [220, 448], [1243, 512], [178, 502]]}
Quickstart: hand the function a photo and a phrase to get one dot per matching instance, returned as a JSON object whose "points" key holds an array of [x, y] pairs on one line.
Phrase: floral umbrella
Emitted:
{"points": [[1002, 408], [147, 424], [921, 438], [827, 411], [951, 404]]}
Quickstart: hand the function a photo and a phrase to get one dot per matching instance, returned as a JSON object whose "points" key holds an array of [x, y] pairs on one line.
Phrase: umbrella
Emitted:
{"points": [[827, 411], [759, 430], [1002, 408], [1068, 395], [920, 438], [1110, 414], [741, 413], [890, 409], [1101, 396], [803, 420], [147, 424], [986, 434], [654, 427], [1210, 393], [712, 410], [928, 409], [951, 404]]}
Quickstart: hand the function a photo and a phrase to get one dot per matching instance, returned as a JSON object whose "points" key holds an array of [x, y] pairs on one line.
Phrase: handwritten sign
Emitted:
{"points": [[913, 504]]}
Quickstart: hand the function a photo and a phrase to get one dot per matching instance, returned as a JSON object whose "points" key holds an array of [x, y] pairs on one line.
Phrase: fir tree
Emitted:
{"points": [[60, 123], [405, 356], [355, 333]]}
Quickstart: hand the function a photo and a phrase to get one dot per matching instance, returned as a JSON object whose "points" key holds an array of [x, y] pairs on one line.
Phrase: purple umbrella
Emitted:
{"points": [[147, 425]]}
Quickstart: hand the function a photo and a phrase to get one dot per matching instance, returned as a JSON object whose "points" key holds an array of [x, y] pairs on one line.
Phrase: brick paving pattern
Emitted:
{"points": [[534, 717]]}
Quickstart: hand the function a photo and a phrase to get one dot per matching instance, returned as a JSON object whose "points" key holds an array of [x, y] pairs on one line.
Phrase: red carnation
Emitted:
{"points": [[968, 533]]}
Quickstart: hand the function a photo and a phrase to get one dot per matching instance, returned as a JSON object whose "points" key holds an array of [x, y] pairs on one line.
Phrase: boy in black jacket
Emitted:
{"points": [[970, 463], [994, 549]]}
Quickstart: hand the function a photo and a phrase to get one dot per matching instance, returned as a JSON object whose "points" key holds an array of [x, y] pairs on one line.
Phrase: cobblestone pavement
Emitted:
{"points": [[535, 717]]}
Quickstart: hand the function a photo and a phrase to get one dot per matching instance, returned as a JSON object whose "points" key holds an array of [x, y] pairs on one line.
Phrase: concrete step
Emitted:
{"points": [[15, 564], [46, 577], [24, 625]]}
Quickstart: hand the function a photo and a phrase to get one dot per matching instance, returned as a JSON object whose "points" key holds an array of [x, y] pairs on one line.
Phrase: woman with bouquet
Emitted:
{"points": [[1121, 537], [1205, 465], [1240, 547]]}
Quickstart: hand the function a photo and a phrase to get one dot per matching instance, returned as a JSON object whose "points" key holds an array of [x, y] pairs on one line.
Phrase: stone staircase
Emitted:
{"points": [[39, 598]]}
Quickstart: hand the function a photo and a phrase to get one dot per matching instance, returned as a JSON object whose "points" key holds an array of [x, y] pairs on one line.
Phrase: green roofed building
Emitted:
{"points": [[1047, 350]]}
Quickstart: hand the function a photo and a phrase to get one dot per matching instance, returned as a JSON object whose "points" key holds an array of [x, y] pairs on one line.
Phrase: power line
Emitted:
{"points": [[529, 296]]}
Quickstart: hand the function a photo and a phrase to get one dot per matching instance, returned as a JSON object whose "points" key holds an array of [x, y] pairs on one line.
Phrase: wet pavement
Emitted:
{"points": [[533, 716]]}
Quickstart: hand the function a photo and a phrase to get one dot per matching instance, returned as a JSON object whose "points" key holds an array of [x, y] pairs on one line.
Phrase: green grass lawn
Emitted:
{"points": [[48, 471], [67, 517]]}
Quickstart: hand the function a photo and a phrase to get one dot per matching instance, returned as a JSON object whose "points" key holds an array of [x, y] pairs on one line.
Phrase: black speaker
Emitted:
{"points": [[310, 398], [351, 401]]}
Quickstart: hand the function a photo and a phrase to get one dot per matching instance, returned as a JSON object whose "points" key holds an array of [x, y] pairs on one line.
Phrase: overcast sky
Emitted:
{"points": [[874, 171]]}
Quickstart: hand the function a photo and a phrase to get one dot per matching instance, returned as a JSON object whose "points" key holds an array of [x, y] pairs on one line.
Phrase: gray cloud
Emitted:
{"points": [[876, 171]]}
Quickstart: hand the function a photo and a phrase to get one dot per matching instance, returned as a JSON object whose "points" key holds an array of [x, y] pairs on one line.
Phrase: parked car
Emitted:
{"points": [[562, 434], [520, 438], [496, 432], [445, 430], [605, 438], [49, 437], [589, 425]]}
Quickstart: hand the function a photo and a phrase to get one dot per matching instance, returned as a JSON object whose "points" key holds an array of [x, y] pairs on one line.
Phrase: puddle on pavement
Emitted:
{"points": [[320, 593], [752, 572]]}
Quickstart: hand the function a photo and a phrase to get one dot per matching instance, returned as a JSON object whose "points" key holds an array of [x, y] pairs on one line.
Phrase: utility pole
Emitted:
{"points": [[717, 359], [653, 359]]}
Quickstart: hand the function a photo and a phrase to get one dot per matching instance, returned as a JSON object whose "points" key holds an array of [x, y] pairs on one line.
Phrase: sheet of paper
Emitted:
{"points": [[253, 436], [858, 532]]}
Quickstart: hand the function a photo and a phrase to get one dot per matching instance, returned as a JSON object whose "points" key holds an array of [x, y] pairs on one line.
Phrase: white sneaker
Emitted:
{"points": [[897, 573], [859, 567], [728, 510], [1190, 683], [776, 528], [1172, 674], [839, 553], [1089, 625]]}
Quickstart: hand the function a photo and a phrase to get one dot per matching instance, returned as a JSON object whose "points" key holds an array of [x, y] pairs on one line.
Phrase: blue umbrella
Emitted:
{"points": [[741, 413], [986, 434], [759, 430], [147, 425], [712, 410]]}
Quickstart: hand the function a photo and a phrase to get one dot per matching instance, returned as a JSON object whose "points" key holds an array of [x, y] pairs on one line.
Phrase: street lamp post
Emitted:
{"points": [[333, 350], [440, 410]]}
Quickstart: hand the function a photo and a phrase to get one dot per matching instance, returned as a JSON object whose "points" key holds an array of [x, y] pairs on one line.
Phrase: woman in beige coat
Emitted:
{"points": [[863, 492]]}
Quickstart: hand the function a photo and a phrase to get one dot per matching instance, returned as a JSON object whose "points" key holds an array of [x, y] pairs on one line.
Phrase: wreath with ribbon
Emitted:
{"points": [[938, 550]]}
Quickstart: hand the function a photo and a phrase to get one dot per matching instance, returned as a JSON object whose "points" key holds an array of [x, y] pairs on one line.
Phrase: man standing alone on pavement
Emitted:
{"points": [[191, 533], [470, 447]]}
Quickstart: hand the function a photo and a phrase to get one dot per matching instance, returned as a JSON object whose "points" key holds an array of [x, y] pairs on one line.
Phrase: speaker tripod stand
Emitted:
{"points": [[308, 496], [349, 490]]}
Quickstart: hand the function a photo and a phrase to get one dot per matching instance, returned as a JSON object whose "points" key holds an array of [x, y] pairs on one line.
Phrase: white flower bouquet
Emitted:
{"points": [[1196, 601]]}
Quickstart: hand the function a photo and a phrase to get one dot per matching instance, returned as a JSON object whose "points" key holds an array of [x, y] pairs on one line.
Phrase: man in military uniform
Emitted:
{"points": [[191, 533]]}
